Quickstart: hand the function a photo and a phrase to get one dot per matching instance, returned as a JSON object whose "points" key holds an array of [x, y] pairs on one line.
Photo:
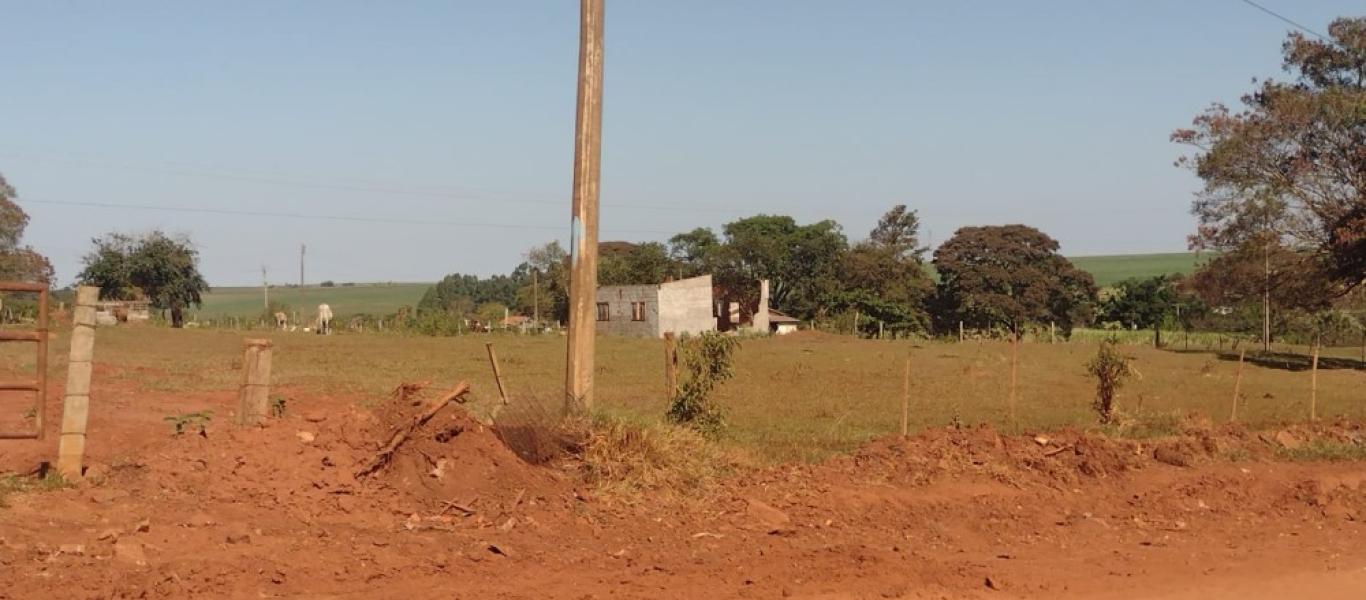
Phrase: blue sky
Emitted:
{"points": [[457, 119]]}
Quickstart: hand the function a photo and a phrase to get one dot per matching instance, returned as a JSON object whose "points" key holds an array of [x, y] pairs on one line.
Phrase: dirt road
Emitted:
{"points": [[954, 513]]}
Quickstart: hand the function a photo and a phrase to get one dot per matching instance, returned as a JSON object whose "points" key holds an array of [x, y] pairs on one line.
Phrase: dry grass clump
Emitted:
{"points": [[624, 460]]}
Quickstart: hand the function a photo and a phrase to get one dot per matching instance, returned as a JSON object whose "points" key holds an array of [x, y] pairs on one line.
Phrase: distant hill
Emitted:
{"points": [[1111, 269]]}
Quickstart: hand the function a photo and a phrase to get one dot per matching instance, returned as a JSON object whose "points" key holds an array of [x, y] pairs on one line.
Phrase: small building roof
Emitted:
{"points": [[777, 317]]}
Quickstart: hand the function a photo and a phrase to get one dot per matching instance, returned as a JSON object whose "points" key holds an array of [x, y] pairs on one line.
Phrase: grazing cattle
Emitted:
{"points": [[281, 321], [324, 319]]}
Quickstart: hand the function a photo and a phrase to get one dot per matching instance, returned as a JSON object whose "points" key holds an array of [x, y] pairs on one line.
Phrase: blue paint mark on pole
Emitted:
{"points": [[575, 233]]}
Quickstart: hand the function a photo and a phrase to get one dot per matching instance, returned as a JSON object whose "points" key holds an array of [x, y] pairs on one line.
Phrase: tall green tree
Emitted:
{"points": [[1288, 169], [802, 262], [1010, 276], [695, 252], [18, 262], [545, 283], [885, 276], [1149, 303], [161, 269], [626, 263]]}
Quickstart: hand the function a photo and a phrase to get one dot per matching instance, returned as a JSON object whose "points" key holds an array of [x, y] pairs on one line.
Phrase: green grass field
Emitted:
{"points": [[1112, 269], [799, 397], [367, 298]]}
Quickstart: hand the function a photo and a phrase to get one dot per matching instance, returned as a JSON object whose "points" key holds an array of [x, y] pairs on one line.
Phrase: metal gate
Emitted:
{"points": [[38, 337]]}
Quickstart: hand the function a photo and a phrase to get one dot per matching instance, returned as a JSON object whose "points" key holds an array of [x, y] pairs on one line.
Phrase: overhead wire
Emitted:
{"points": [[1286, 19], [312, 216]]}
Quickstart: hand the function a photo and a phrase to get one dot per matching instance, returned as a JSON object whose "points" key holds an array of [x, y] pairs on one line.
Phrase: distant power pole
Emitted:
{"points": [[535, 299], [303, 300], [265, 287], [583, 233]]}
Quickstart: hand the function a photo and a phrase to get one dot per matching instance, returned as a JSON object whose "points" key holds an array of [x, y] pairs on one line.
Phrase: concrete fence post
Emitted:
{"points": [[254, 395], [76, 405]]}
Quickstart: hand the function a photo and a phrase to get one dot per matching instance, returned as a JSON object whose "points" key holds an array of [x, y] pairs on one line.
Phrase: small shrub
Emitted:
{"points": [[1111, 369], [707, 362], [190, 422]]}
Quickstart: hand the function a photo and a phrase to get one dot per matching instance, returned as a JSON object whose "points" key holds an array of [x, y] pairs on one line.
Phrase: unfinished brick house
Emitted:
{"points": [[650, 310]]}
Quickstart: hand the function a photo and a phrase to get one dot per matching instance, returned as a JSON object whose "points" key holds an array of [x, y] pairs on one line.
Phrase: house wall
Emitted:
{"points": [[686, 306], [619, 299]]}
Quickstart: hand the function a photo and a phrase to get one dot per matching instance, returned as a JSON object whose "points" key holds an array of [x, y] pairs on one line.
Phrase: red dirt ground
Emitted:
{"points": [[278, 512]]}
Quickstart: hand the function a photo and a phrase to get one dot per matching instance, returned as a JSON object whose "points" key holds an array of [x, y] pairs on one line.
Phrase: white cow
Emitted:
{"points": [[324, 319]]}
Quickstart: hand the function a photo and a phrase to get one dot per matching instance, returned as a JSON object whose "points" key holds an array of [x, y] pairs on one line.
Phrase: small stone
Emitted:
{"points": [[306, 437], [143, 526], [108, 535], [200, 520], [1041, 440], [238, 535], [1288, 440], [316, 416], [106, 496], [72, 549], [130, 552], [766, 518]]}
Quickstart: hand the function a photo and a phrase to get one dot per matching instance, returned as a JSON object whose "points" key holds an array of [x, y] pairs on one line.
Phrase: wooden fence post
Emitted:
{"points": [[960, 332], [254, 395], [1237, 386], [1314, 384], [906, 398], [497, 373], [1052, 332], [670, 366], [76, 405], [1014, 368]]}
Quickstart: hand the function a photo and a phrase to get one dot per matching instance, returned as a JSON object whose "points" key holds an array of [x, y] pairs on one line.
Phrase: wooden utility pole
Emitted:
{"points": [[583, 231], [76, 406], [265, 287], [497, 372], [536, 300], [253, 398], [1237, 385], [670, 366]]}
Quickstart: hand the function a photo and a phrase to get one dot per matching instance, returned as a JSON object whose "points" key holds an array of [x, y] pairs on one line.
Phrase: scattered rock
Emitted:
{"points": [[1287, 440], [1176, 456], [992, 584], [106, 495], [316, 416], [130, 552], [238, 535], [143, 526], [306, 437], [766, 518], [1041, 440], [200, 520], [108, 535], [72, 549]]}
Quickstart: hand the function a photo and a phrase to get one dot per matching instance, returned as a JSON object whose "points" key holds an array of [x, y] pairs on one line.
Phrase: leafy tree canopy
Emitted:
{"points": [[18, 262], [154, 266], [1010, 276], [1289, 167]]}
